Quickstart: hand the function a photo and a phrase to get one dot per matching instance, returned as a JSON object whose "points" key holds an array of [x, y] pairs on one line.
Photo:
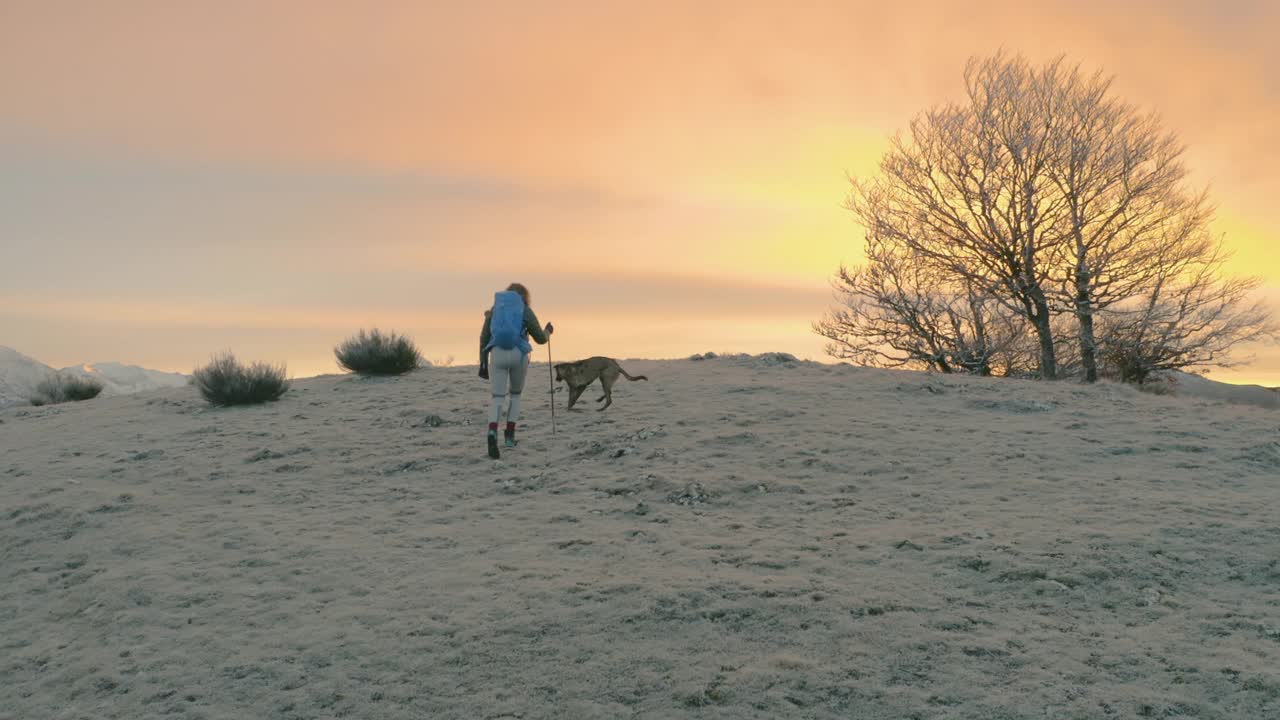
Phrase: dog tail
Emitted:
{"points": [[630, 377]]}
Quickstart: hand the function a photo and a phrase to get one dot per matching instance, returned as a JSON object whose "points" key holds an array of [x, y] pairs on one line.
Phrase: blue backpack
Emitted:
{"points": [[506, 326]]}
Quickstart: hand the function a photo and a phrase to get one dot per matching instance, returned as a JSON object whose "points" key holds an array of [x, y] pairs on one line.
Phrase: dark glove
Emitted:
{"points": [[484, 372], [550, 328]]}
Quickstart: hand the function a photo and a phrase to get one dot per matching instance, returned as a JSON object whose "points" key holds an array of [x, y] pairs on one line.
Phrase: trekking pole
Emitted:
{"points": [[552, 394]]}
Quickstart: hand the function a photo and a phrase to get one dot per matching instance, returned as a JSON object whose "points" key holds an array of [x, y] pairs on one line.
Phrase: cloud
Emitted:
{"points": [[104, 219]]}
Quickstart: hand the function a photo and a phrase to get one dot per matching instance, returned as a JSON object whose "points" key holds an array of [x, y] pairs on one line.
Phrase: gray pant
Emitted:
{"points": [[507, 369]]}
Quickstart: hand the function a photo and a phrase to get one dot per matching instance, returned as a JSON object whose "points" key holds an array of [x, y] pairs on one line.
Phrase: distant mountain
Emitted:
{"points": [[119, 379], [1196, 386], [19, 376]]}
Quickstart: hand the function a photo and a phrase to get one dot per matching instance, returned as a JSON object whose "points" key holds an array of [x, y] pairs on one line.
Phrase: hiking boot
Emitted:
{"points": [[493, 444], [509, 437]]}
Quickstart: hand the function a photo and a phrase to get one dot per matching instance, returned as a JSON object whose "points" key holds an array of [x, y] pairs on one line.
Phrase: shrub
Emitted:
{"points": [[372, 353], [224, 381], [62, 388]]}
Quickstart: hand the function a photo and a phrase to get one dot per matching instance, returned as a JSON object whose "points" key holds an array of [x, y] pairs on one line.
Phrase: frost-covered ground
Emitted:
{"points": [[736, 538]]}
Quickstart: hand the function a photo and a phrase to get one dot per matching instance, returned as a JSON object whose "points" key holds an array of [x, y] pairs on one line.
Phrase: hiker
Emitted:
{"points": [[505, 340]]}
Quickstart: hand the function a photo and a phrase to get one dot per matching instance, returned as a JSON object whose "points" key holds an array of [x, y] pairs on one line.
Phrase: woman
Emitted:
{"points": [[504, 340]]}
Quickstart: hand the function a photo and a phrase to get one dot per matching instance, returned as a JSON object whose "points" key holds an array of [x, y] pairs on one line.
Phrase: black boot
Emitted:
{"points": [[509, 436], [493, 444]]}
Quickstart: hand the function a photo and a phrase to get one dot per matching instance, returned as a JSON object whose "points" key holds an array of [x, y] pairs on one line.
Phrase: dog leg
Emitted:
{"points": [[607, 382]]}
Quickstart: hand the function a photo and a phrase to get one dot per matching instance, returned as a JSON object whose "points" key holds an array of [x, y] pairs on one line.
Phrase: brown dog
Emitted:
{"points": [[578, 375]]}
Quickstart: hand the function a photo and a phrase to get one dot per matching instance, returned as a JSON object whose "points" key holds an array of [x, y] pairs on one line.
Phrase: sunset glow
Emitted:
{"points": [[179, 179]]}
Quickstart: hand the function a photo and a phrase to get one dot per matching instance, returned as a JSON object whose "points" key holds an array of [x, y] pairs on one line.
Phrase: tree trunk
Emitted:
{"points": [[1040, 317], [1088, 351], [1084, 308], [1084, 315], [1036, 311], [1088, 345], [1048, 358]]}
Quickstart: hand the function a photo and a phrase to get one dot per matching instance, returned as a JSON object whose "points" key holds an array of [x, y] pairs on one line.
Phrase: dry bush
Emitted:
{"points": [[65, 388], [225, 382], [373, 353]]}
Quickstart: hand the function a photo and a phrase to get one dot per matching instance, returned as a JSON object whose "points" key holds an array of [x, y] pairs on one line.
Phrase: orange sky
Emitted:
{"points": [[180, 178]]}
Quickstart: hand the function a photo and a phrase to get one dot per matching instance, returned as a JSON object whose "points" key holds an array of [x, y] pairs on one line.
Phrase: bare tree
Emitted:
{"points": [[969, 192], [1042, 195]]}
